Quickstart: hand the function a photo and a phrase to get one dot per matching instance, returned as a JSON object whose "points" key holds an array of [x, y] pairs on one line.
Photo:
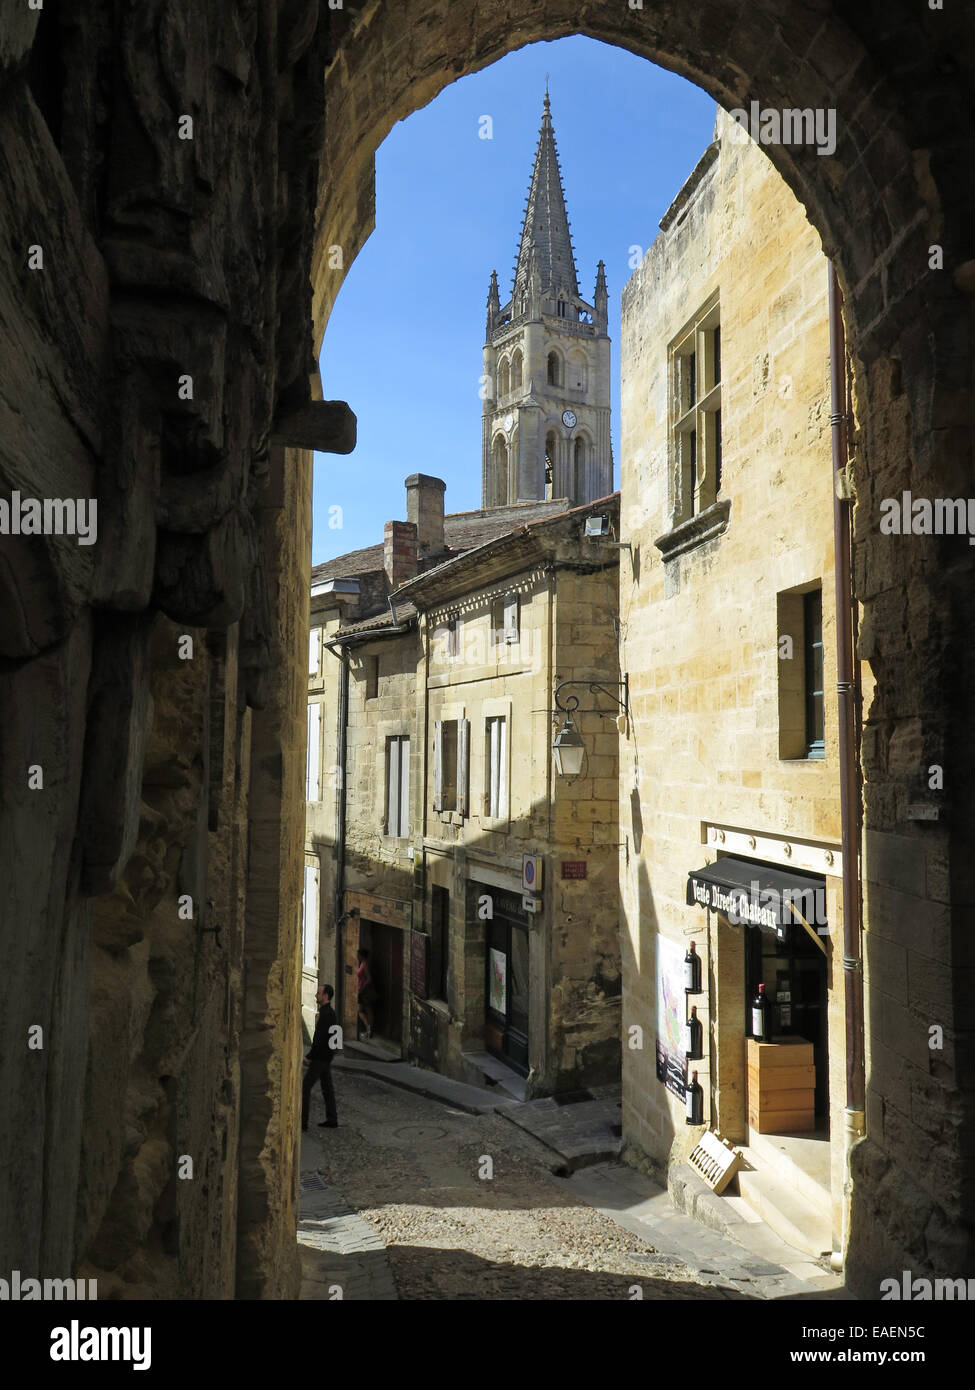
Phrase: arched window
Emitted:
{"points": [[516, 362], [504, 380], [500, 471], [550, 444], [554, 374], [579, 471]]}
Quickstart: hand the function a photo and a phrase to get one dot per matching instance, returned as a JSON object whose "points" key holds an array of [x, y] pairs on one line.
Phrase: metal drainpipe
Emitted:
{"points": [[342, 656], [855, 1125]]}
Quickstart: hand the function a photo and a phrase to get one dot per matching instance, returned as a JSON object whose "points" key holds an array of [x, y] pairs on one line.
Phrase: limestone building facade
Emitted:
{"points": [[515, 943], [364, 783], [730, 779], [545, 420], [430, 777]]}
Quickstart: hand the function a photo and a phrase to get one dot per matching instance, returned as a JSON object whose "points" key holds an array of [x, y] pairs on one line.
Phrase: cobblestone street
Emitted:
{"points": [[466, 1208]]}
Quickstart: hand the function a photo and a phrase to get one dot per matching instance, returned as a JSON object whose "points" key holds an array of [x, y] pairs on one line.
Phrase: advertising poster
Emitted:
{"points": [[671, 1006], [499, 981]]}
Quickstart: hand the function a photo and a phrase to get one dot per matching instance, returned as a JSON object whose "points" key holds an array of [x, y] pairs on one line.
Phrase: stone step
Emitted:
{"points": [[800, 1162], [496, 1074], [798, 1222]]}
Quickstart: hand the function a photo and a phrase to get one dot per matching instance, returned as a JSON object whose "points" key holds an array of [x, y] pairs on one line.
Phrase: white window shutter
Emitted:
{"points": [[463, 759], [503, 769], [404, 787], [494, 767], [511, 617], [313, 650], [313, 777], [310, 917], [438, 765], [392, 785]]}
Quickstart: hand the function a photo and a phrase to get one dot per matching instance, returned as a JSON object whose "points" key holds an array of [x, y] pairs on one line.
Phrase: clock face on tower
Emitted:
{"points": [[568, 418], [509, 420]]}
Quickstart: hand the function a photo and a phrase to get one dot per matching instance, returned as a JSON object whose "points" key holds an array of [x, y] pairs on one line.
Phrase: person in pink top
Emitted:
{"points": [[366, 992]]}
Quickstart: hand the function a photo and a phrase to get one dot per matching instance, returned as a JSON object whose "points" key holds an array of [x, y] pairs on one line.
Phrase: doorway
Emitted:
{"points": [[793, 970], [506, 983], [385, 947]]}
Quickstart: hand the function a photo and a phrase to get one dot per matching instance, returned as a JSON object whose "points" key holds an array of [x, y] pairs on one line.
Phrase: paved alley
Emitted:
{"points": [[414, 1199]]}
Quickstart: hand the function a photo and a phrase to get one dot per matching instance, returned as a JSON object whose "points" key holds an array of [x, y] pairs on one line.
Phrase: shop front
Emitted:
{"points": [[506, 978], [777, 949], [764, 1001]]}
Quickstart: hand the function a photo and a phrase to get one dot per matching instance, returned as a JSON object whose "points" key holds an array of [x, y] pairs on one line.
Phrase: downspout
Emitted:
{"points": [[855, 1123], [342, 656]]}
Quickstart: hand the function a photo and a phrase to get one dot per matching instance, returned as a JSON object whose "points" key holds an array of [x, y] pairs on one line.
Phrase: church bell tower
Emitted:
{"points": [[545, 420]]}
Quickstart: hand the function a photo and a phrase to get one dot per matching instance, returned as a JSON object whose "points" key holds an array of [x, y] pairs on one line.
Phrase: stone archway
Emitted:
{"points": [[161, 358], [893, 207]]}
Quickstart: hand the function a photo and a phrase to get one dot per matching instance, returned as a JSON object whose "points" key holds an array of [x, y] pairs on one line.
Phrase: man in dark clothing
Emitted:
{"points": [[318, 1063]]}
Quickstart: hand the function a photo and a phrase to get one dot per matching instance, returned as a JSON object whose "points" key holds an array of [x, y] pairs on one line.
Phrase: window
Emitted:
{"points": [[579, 471], [505, 620], [309, 918], [504, 378], [313, 767], [450, 744], [372, 677], [398, 786], [696, 415], [554, 372], [501, 482], [314, 650], [550, 447], [812, 604], [800, 663], [447, 639], [439, 943], [496, 769], [516, 369]]}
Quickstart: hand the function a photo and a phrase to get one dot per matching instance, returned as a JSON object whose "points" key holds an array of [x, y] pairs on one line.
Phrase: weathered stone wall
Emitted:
{"points": [[159, 167], [586, 978], [712, 684]]}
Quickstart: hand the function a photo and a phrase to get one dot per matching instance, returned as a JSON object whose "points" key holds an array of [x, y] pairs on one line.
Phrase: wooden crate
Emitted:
{"points": [[782, 1078], [781, 1086], [716, 1160]]}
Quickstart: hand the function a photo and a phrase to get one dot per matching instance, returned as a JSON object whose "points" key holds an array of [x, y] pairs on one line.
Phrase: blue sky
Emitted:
{"points": [[403, 345]]}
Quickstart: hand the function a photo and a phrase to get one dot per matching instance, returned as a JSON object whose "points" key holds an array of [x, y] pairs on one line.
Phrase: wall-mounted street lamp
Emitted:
{"points": [[569, 747]]}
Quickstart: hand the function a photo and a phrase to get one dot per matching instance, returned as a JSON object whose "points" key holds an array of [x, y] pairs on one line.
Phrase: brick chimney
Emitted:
{"points": [[424, 508], [399, 552]]}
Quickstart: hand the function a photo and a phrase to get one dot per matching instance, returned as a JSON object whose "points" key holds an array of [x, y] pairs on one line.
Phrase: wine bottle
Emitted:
{"points": [[693, 1036], [761, 1017], [692, 971], [694, 1100]]}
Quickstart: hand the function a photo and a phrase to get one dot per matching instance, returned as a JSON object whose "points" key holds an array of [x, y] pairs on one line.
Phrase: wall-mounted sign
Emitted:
{"points": [[575, 868], [531, 904], [531, 873]]}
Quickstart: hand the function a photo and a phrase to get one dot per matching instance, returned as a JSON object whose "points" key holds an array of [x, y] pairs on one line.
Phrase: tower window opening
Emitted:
{"points": [[550, 465], [553, 369], [578, 471], [516, 366]]}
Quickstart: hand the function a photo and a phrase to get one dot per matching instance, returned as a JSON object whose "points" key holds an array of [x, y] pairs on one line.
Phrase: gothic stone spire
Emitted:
{"points": [[546, 225]]}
